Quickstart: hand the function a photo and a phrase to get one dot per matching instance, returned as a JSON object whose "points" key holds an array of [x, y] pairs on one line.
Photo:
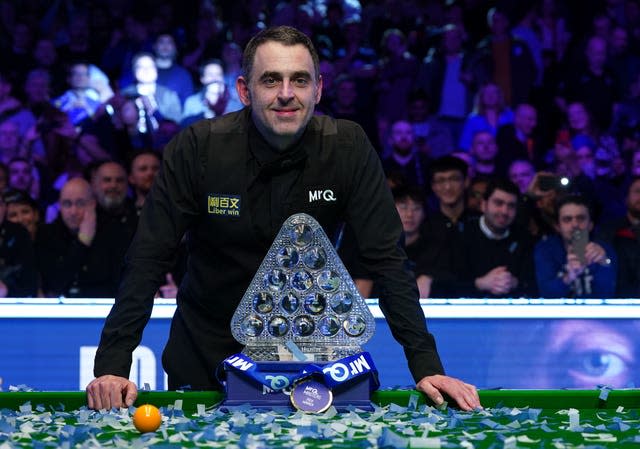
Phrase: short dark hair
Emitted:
{"points": [[207, 62], [409, 192], [16, 196], [573, 198], [285, 35], [503, 184], [448, 163]]}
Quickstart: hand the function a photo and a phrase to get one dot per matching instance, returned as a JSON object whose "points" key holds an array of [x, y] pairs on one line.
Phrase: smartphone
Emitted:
{"points": [[579, 240]]}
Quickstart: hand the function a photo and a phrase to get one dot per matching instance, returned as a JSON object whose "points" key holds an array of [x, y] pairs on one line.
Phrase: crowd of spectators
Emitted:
{"points": [[503, 127]]}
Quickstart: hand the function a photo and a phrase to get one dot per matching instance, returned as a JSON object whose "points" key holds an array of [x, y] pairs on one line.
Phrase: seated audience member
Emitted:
{"points": [[24, 176], [142, 172], [22, 209], [214, 100], [433, 138], [489, 113], [492, 256], [521, 172], [445, 224], [202, 104], [18, 275], [566, 268], [475, 193], [157, 102], [81, 101], [405, 160], [114, 208], [484, 150], [624, 234], [410, 204], [171, 74], [78, 256], [518, 140]]}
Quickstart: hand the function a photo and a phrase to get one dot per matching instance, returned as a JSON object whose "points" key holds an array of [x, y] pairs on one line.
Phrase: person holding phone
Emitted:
{"points": [[570, 264]]}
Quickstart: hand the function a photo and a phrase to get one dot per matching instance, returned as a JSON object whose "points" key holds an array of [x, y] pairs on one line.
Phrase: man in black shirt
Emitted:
{"points": [[230, 183], [494, 256]]}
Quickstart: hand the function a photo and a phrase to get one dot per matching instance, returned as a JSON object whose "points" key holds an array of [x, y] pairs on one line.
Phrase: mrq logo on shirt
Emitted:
{"points": [[321, 195], [223, 204]]}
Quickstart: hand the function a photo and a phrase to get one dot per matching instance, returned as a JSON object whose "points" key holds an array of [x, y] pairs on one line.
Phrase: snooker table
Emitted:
{"points": [[400, 419]]}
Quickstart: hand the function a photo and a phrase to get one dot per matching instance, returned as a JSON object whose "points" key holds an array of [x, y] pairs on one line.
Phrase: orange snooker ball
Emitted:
{"points": [[147, 418]]}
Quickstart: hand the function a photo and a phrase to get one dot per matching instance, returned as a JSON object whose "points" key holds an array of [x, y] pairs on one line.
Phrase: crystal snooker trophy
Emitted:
{"points": [[303, 323]]}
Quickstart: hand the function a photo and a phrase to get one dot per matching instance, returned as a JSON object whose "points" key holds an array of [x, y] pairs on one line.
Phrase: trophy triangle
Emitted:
{"points": [[302, 302]]}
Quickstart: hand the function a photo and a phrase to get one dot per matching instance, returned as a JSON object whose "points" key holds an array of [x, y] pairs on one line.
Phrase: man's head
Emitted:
{"points": [[633, 198], [346, 91], [410, 206], [572, 212], [211, 71], [9, 138], [483, 146], [281, 82], [37, 86], [109, 185], [401, 137], [22, 209], [75, 198], [475, 193], [143, 171], [500, 205], [521, 173], [78, 76], [448, 179], [596, 52], [525, 118], [20, 174], [164, 47], [144, 68]]}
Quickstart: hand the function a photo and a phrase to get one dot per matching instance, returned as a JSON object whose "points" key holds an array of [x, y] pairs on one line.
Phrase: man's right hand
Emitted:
{"points": [[107, 392]]}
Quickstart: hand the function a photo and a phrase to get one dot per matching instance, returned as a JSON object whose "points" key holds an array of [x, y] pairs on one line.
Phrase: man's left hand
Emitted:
{"points": [[465, 395]]}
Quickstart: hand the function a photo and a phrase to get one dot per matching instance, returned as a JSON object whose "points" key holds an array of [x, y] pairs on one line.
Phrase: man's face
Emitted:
{"points": [[23, 214], [572, 217], [500, 210], [282, 92], [402, 138], [346, 93], [526, 119], [145, 70], [448, 186], [165, 47], [75, 199], [484, 147], [110, 185], [521, 174], [9, 137], [143, 171], [633, 200], [411, 214], [79, 76], [577, 116], [37, 89], [212, 73], [20, 175]]}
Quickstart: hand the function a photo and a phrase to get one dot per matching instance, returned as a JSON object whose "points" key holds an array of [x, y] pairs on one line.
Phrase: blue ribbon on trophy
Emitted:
{"points": [[333, 374]]}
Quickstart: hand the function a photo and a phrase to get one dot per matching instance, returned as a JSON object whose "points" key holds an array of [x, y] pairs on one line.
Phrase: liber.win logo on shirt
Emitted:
{"points": [[223, 204]]}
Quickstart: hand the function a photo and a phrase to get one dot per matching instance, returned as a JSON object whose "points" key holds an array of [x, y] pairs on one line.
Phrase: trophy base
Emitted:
{"points": [[313, 353], [242, 390]]}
